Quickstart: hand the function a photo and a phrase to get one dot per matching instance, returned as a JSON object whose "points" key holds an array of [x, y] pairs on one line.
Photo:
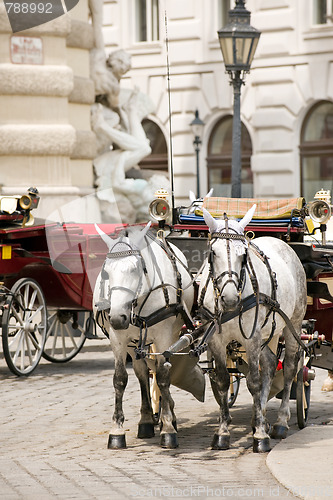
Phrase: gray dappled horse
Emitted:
{"points": [[141, 297], [265, 273]]}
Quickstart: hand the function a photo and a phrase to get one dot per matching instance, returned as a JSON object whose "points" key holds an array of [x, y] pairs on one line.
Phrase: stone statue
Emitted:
{"points": [[116, 119]]}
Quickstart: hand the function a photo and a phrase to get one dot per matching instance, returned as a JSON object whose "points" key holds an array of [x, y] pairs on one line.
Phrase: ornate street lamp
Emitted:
{"points": [[197, 126], [238, 40]]}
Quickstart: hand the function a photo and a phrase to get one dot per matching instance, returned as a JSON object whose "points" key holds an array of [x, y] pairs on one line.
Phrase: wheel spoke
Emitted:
{"points": [[18, 350], [26, 296], [28, 348], [67, 341], [32, 299], [22, 365], [16, 337], [30, 318], [63, 340], [70, 335], [52, 323], [18, 317], [33, 340], [305, 403], [55, 336]]}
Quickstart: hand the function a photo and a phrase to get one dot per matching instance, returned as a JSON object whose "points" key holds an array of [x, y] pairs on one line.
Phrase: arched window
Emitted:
{"points": [[158, 159], [317, 150], [219, 159]]}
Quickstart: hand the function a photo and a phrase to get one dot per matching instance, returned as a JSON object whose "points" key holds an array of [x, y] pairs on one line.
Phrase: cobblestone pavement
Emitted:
{"points": [[54, 431]]}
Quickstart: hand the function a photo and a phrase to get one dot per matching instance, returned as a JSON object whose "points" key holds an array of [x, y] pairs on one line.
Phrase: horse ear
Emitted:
{"points": [[107, 240], [192, 196], [210, 221], [247, 217], [139, 238], [210, 193]]}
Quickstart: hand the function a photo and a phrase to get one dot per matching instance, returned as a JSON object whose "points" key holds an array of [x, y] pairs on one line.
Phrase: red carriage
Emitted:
{"points": [[48, 272], [46, 303]]}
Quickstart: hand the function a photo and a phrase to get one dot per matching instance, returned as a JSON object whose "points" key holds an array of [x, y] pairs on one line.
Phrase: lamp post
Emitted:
{"points": [[238, 40], [197, 126]]}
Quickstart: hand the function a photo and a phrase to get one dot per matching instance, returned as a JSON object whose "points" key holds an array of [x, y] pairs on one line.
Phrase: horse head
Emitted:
{"points": [[227, 256], [123, 273]]}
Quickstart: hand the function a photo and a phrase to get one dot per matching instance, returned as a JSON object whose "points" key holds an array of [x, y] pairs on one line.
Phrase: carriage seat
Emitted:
{"points": [[266, 209]]}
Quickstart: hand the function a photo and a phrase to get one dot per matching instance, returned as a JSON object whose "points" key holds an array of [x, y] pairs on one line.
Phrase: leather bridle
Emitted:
{"points": [[238, 280], [136, 318]]}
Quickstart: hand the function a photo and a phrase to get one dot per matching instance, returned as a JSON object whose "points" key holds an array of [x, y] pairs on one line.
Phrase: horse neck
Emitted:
{"points": [[262, 273], [154, 256]]}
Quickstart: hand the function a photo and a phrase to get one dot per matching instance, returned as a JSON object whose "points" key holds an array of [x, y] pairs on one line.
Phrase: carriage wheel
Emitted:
{"points": [[24, 323], [233, 388], [303, 391], [65, 335]]}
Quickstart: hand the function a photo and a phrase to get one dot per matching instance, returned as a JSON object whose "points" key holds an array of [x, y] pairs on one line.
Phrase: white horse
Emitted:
{"points": [[142, 296], [237, 275]]}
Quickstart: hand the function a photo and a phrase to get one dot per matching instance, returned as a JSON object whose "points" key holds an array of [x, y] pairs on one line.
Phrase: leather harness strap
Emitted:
{"points": [[253, 300], [165, 312]]}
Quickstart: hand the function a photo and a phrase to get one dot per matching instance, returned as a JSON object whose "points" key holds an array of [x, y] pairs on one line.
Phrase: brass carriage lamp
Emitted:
{"points": [[159, 209], [238, 40], [320, 211]]}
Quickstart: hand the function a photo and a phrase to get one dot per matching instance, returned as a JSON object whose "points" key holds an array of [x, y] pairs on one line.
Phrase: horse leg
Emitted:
{"points": [[146, 425], [168, 419], [117, 434], [268, 363], [292, 354], [253, 379], [220, 384]]}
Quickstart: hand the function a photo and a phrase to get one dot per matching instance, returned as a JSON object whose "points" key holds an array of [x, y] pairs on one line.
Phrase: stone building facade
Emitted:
{"points": [[45, 134], [286, 106]]}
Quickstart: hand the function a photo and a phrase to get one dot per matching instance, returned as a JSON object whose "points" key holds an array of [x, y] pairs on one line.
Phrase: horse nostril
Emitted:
{"points": [[230, 302], [119, 321]]}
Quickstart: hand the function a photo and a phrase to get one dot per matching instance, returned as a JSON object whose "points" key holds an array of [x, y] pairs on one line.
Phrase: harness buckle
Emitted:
{"points": [[160, 234]]}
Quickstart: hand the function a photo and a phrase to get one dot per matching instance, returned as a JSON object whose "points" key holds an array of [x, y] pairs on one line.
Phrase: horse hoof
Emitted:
{"points": [[261, 445], [279, 432], [116, 441], [221, 442], [169, 440], [146, 431]]}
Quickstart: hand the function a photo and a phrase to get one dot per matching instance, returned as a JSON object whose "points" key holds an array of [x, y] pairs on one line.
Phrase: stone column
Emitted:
{"points": [[45, 137]]}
